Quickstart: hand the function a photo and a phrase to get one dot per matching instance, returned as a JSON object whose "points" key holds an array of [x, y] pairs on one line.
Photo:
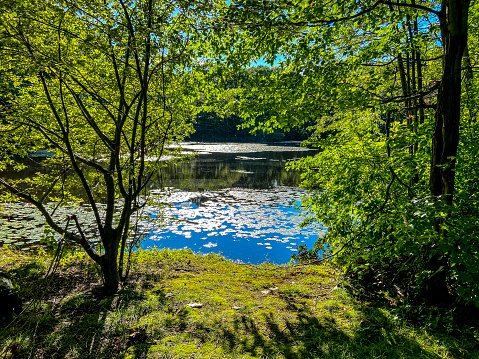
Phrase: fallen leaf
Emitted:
{"points": [[195, 305]]}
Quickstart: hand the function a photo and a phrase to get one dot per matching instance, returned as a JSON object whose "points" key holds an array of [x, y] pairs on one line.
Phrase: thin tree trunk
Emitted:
{"points": [[470, 92], [467, 66], [420, 86]]}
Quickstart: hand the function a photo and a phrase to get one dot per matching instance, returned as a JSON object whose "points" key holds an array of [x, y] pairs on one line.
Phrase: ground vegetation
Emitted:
{"points": [[182, 305]]}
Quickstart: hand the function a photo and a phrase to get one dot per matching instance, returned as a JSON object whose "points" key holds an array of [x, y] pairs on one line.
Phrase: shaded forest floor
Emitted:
{"points": [[181, 305]]}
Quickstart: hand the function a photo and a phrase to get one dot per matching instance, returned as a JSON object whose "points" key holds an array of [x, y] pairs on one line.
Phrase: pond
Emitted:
{"points": [[235, 199]]}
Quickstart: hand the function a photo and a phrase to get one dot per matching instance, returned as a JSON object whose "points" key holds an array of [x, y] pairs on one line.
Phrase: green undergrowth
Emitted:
{"points": [[181, 305]]}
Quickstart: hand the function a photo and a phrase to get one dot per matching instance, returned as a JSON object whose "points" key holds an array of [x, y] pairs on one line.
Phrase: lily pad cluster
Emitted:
{"points": [[247, 225], [250, 225], [22, 225]]}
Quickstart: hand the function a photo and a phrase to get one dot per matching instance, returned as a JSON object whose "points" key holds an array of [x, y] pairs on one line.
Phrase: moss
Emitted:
{"points": [[246, 311]]}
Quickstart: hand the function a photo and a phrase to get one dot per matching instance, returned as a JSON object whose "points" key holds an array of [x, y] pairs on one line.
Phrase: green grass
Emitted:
{"points": [[246, 311]]}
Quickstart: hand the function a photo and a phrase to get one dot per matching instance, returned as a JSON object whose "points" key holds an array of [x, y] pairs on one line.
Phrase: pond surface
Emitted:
{"points": [[237, 199]]}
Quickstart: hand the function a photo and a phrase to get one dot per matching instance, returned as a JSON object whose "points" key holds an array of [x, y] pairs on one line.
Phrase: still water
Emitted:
{"points": [[236, 199]]}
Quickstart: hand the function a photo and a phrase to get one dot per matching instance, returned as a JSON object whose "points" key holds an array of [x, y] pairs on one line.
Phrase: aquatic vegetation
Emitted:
{"points": [[232, 200], [249, 225]]}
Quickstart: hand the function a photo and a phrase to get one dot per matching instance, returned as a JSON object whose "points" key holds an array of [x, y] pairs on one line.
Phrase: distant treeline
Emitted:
{"points": [[209, 126]]}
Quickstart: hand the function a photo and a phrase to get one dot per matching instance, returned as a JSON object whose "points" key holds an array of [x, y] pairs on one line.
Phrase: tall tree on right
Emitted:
{"points": [[384, 80], [453, 20]]}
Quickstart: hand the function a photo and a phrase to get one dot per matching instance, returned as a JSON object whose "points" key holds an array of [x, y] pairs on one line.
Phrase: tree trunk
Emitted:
{"points": [[109, 261], [445, 139], [467, 66], [109, 268], [470, 91]]}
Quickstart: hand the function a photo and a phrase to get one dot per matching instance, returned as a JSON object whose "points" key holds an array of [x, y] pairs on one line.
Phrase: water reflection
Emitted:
{"points": [[213, 171], [249, 225]]}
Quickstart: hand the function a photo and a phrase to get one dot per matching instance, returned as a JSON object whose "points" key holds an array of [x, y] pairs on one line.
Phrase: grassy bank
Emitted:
{"points": [[181, 305]]}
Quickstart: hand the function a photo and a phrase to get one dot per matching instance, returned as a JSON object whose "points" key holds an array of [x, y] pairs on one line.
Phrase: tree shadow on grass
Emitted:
{"points": [[78, 328], [305, 335], [92, 325], [31, 282]]}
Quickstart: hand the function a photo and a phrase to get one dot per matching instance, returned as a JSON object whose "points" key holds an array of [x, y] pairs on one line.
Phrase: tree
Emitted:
{"points": [[382, 78], [106, 86]]}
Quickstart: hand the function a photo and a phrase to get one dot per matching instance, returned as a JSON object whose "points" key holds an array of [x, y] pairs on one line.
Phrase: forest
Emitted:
{"points": [[387, 91]]}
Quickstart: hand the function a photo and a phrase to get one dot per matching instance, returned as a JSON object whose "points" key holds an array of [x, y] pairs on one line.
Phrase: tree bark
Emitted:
{"points": [[445, 139], [109, 260], [109, 269]]}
